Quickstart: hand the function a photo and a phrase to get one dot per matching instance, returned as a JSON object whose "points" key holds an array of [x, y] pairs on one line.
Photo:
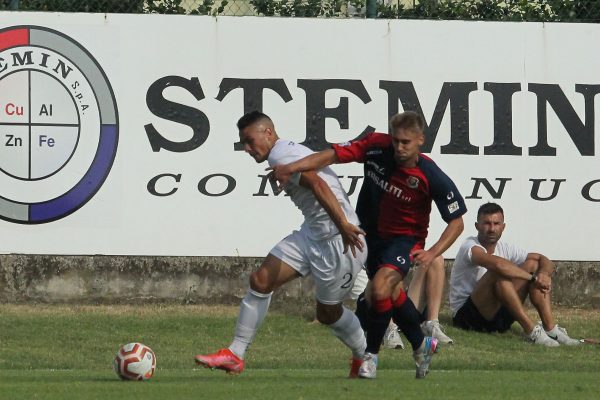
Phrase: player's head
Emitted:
{"points": [[407, 136], [257, 135], [490, 223]]}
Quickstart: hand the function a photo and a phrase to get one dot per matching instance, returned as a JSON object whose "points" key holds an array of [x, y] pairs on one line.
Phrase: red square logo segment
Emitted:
{"points": [[14, 37]]}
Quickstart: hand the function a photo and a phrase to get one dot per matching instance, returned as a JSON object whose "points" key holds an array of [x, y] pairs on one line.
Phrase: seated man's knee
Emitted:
{"points": [[328, 314], [438, 263], [503, 284], [530, 266], [437, 266]]}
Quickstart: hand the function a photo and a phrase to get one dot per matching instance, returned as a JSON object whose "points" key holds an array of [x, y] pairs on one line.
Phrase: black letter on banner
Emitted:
{"points": [[502, 94], [230, 185], [176, 112], [25, 60], [253, 94], [317, 113], [152, 184], [263, 186], [585, 191], [496, 194], [535, 188], [454, 93], [353, 182], [581, 134]]}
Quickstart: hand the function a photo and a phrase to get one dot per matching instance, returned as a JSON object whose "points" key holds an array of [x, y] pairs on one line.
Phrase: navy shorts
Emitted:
{"points": [[392, 253], [468, 317]]}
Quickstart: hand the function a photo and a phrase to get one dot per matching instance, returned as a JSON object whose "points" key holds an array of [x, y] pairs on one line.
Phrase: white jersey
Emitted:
{"points": [[317, 223], [465, 274]]}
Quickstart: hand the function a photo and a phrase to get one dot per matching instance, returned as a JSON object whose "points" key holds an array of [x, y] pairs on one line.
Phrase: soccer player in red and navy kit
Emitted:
{"points": [[394, 207]]}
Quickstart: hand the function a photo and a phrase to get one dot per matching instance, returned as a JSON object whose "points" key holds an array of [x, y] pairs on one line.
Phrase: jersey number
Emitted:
{"points": [[348, 283]]}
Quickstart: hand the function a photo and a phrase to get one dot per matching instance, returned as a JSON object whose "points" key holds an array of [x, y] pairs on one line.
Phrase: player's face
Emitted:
{"points": [[257, 140], [406, 144], [489, 228]]}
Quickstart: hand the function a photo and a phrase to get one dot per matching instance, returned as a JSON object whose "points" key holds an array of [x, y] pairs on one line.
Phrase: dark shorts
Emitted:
{"points": [[392, 253], [468, 317]]}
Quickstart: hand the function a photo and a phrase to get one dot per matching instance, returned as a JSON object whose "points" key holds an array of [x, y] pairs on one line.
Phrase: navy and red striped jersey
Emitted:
{"points": [[394, 200]]}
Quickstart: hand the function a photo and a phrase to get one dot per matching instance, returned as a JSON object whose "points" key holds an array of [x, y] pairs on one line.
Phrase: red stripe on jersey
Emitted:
{"points": [[13, 38]]}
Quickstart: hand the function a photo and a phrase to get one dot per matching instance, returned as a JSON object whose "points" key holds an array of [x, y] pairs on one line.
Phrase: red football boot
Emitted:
{"points": [[223, 359]]}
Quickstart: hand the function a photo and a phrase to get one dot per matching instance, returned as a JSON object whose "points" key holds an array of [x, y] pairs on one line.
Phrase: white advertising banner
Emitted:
{"points": [[117, 132]]}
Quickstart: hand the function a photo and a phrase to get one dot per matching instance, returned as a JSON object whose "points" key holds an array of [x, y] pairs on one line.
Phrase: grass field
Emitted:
{"points": [[64, 352]]}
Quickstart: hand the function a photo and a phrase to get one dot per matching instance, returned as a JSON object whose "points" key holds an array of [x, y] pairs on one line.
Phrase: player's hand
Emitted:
{"points": [[422, 258], [351, 236], [281, 174]]}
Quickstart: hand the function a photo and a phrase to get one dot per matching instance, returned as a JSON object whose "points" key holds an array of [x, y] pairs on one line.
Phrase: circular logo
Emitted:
{"points": [[59, 125]]}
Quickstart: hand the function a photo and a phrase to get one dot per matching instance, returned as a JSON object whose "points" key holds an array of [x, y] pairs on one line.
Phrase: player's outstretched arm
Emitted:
{"points": [[350, 232], [312, 162]]}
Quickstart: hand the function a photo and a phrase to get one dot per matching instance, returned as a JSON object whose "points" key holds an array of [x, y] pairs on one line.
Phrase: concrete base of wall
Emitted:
{"points": [[207, 280]]}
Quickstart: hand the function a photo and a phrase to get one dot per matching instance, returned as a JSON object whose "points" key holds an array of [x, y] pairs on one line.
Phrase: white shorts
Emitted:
{"points": [[333, 271], [360, 284]]}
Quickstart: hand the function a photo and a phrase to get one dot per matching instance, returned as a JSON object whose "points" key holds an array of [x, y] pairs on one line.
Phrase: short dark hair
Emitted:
{"points": [[407, 120], [489, 208], [251, 118]]}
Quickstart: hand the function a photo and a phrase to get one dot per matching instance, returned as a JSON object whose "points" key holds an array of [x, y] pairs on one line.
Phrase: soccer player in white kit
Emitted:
{"points": [[329, 246]]}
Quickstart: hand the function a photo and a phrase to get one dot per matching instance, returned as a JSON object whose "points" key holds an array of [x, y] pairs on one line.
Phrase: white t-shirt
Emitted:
{"points": [[465, 274], [317, 223]]}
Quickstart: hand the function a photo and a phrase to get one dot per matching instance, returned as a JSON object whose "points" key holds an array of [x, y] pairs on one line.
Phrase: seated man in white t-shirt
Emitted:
{"points": [[491, 279]]}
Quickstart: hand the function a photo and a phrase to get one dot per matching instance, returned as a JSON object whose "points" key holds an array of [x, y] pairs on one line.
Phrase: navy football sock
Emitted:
{"points": [[408, 320], [378, 320]]}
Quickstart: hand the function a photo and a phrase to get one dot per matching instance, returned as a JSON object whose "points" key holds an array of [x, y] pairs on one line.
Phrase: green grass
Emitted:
{"points": [[62, 352]]}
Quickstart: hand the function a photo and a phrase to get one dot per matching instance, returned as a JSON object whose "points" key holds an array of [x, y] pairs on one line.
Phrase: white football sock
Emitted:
{"points": [[253, 310], [348, 330]]}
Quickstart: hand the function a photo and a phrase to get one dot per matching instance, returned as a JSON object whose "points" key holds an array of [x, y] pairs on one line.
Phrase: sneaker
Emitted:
{"points": [[355, 364], [559, 334], [434, 329], [392, 339], [223, 359], [539, 336], [422, 356], [368, 369]]}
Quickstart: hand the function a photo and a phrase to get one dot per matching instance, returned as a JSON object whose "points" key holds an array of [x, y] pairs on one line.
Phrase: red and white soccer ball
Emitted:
{"points": [[135, 362]]}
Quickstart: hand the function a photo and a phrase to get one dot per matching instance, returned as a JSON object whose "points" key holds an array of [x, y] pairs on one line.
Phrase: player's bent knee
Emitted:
{"points": [[382, 289], [261, 283], [328, 314]]}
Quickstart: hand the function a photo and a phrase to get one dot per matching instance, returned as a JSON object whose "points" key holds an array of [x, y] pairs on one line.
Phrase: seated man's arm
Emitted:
{"points": [[503, 267], [312, 162], [544, 271], [350, 233]]}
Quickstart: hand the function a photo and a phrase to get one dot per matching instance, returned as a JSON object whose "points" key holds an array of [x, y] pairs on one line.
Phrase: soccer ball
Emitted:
{"points": [[135, 362]]}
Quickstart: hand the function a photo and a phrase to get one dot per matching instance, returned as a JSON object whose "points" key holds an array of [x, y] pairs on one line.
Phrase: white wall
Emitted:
{"points": [[137, 51]]}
